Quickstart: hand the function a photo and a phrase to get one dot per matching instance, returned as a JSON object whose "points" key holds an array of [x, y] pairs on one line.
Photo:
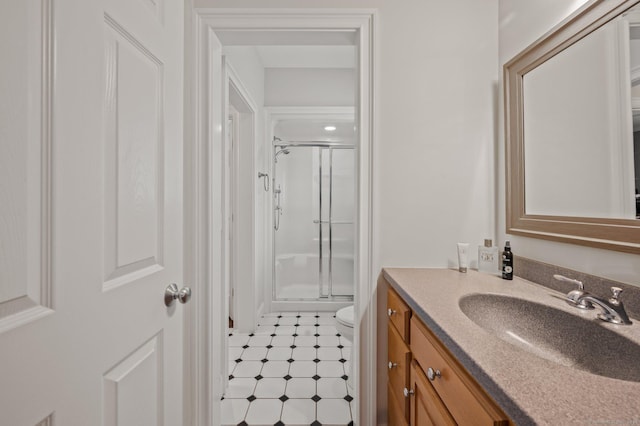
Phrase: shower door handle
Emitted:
{"points": [[316, 221]]}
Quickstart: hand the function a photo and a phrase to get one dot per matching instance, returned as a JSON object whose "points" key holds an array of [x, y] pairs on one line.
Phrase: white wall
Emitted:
{"points": [[521, 23], [310, 87], [246, 63]]}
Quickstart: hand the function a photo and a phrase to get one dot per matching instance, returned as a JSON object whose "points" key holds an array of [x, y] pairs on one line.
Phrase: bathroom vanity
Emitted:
{"points": [[471, 348]]}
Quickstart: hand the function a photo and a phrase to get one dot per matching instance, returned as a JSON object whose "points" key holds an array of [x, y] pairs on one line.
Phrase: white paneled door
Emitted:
{"points": [[91, 212]]}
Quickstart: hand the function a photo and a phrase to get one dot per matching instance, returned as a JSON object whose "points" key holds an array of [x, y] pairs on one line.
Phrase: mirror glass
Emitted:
{"points": [[581, 126]]}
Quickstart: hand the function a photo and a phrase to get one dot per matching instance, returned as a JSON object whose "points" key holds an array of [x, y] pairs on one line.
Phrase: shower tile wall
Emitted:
{"points": [[291, 371]]}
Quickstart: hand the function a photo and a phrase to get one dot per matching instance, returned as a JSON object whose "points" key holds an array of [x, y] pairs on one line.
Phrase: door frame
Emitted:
{"points": [[203, 105]]}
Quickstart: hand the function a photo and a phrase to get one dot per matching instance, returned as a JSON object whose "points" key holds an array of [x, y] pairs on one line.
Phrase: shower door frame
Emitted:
{"points": [[282, 145]]}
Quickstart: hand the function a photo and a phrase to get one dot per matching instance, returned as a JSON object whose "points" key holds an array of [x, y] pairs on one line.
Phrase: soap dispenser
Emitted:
{"points": [[488, 258]]}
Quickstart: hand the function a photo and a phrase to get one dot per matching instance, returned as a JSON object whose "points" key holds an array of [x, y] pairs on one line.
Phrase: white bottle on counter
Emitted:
{"points": [[488, 258]]}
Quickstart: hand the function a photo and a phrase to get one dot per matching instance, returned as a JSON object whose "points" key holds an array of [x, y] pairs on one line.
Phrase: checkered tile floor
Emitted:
{"points": [[291, 371]]}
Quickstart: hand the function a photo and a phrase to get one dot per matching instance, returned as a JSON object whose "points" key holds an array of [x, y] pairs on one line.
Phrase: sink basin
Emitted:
{"points": [[555, 335]]}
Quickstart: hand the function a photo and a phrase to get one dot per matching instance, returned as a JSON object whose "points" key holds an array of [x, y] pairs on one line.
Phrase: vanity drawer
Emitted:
{"points": [[465, 400], [426, 406], [399, 313], [399, 357]]}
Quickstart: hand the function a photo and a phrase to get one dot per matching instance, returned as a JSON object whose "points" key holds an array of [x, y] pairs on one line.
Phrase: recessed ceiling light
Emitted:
{"points": [[330, 128]]}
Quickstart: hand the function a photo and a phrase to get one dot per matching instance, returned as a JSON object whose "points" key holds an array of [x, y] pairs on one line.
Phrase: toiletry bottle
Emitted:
{"points": [[488, 258], [507, 262]]}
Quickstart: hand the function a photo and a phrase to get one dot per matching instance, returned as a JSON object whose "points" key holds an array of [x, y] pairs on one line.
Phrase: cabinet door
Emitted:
{"points": [[396, 413], [426, 406]]}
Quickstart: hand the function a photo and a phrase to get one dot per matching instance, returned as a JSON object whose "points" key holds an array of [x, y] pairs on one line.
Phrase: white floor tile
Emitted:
{"points": [[262, 341], [277, 353], [275, 369], [247, 369], [304, 353], [305, 341], [346, 352], [272, 314], [233, 411], [235, 352], [240, 387], [334, 412], [271, 387], [231, 365], [282, 341], [326, 314], [238, 339], [285, 330], [328, 341], [301, 387], [345, 342], [332, 387], [329, 353], [289, 314], [306, 330], [288, 321], [302, 369], [298, 412], [326, 321], [265, 320], [307, 314], [330, 369], [307, 320], [254, 354], [327, 330], [264, 330], [264, 412]]}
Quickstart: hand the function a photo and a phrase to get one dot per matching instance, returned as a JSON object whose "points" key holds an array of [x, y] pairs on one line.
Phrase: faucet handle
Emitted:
{"points": [[569, 280], [615, 298], [574, 297]]}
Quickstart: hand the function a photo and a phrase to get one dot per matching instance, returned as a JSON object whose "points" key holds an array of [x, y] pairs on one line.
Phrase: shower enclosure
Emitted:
{"points": [[313, 221]]}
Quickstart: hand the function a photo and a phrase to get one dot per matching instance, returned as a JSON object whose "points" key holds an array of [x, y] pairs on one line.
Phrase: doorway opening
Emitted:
{"points": [[213, 29]]}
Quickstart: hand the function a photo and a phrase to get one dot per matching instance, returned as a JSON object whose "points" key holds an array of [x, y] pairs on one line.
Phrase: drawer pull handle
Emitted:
{"points": [[390, 312], [431, 374], [392, 364], [407, 392]]}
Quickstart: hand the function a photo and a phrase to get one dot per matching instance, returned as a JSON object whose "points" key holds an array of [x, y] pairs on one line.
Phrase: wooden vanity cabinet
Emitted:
{"points": [[426, 384]]}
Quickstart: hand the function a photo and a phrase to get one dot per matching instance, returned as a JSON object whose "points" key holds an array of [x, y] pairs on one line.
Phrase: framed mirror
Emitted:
{"points": [[572, 128]]}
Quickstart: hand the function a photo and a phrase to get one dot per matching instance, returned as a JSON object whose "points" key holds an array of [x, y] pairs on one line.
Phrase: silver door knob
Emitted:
{"points": [[172, 293]]}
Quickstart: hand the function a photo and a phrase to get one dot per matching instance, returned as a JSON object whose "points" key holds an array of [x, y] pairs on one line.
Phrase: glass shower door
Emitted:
{"points": [[314, 204]]}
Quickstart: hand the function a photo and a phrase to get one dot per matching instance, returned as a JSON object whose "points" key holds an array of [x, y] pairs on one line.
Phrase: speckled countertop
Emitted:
{"points": [[530, 389]]}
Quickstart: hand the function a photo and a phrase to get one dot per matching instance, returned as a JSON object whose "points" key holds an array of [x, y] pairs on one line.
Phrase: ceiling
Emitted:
{"points": [[313, 130]]}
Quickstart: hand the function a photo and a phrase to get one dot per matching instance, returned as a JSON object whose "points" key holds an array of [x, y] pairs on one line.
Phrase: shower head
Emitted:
{"points": [[282, 151]]}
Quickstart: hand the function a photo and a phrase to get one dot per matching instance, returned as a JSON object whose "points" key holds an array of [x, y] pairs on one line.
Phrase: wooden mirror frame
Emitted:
{"points": [[613, 234]]}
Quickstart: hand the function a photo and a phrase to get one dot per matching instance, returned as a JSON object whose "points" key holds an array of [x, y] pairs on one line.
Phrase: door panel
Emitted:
{"points": [[134, 181], [91, 212], [133, 388], [25, 163]]}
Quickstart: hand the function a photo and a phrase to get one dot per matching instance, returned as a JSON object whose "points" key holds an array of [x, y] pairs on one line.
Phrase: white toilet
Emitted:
{"points": [[344, 324]]}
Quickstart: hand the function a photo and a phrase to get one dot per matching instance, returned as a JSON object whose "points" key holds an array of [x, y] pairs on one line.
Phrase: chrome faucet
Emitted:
{"points": [[612, 308]]}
